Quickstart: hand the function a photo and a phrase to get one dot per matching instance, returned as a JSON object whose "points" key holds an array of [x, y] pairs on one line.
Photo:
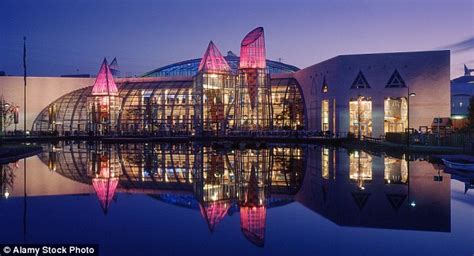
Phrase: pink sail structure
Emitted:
{"points": [[104, 83], [213, 62], [105, 190], [252, 223], [252, 50], [253, 214], [214, 212], [105, 185]]}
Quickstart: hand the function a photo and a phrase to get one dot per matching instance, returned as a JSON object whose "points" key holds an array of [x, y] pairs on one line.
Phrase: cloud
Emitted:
{"points": [[461, 46]]}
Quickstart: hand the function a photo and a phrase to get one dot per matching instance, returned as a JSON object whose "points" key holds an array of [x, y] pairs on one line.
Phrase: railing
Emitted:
{"points": [[460, 140]]}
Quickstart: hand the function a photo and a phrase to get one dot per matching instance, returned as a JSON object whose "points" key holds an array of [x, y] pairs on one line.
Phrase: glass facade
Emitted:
{"points": [[287, 105], [360, 117], [325, 115], [154, 106], [215, 101], [396, 115], [190, 67]]}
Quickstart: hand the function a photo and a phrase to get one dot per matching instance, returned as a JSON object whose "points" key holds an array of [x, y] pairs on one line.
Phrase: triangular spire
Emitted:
{"points": [[104, 83], [395, 81], [212, 61], [105, 190], [114, 68], [214, 212], [360, 82]]}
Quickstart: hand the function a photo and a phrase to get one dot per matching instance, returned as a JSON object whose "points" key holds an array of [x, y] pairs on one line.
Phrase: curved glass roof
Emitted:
{"points": [[190, 67]]}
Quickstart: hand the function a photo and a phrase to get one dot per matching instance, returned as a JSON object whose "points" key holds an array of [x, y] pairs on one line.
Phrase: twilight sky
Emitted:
{"points": [[67, 37]]}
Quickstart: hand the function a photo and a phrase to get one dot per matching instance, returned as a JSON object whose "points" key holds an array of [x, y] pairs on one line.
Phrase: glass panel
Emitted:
{"points": [[325, 115], [395, 117], [360, 117]]}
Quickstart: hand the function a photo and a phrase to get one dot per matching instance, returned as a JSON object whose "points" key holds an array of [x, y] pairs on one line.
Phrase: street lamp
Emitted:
{"points": [[408, 115]]}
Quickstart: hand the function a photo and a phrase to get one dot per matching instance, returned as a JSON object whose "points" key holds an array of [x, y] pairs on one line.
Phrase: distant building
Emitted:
{"points": [[114, 68], [462, 89]]}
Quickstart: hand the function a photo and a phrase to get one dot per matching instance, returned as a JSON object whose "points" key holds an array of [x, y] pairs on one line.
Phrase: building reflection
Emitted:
{"points": [[358, 188], [217, 181], [105, 170], [7, 178], [360, 168], [375, 190]]}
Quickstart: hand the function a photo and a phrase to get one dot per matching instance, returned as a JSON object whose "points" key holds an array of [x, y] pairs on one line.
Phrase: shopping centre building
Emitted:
{"points": [[365, 94]]}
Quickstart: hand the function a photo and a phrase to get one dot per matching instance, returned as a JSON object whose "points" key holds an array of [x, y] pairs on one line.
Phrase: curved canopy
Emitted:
{"points": [[252, 50]]}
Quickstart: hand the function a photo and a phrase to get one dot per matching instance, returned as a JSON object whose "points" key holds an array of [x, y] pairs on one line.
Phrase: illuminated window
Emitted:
{"points": [[325, 115], [395, 115], [360, 117]]}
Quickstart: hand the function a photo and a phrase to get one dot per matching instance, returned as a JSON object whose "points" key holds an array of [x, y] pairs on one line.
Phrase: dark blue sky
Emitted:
{"points": [[66, 36]]}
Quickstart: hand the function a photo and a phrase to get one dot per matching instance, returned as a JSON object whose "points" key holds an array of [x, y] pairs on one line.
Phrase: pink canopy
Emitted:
{"points": [[214, 212], [252, 223], [105, 190], [212, 61], [252, 50], [104, 83]]}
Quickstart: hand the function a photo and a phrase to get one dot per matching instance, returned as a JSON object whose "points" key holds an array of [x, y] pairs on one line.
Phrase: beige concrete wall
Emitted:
{"points": [[40, 181], [41, 91], [426, 74]]}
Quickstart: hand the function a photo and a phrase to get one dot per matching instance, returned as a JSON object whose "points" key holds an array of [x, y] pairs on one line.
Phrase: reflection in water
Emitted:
{"points": [[7, 177], [396, 170], [360, 168], [354, 188], [379, 191], [218, 178], [105, 170]]}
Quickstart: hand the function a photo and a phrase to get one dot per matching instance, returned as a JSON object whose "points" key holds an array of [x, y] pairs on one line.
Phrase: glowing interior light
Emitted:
{"points": [[7, 194], [104, 83], [252, 50], [212, 61], [413, 204]]}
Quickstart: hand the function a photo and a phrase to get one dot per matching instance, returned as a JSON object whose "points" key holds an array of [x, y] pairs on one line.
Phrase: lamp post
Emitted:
{"points": [[408, 115]]}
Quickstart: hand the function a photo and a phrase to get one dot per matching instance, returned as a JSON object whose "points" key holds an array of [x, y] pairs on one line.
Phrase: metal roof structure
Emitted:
{"points": [[190, 67]]}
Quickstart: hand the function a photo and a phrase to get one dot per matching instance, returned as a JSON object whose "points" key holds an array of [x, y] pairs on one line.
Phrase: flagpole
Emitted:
{"points": [[24, 88]]}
